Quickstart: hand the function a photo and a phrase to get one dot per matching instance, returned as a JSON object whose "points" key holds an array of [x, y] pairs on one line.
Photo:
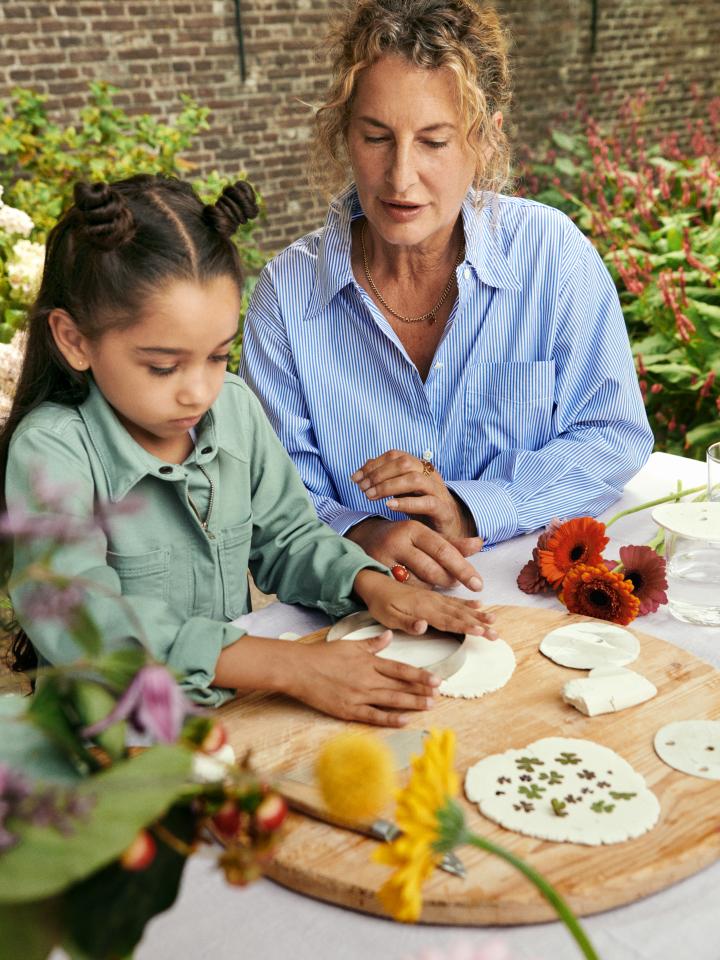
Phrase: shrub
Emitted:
{"points": [[42, 161], [652, 209]]}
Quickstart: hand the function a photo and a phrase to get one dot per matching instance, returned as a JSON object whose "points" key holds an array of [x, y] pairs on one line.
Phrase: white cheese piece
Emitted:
{"points": [[566, 790], [593, 643], [608, 689], [691, 746], [489, 664]]}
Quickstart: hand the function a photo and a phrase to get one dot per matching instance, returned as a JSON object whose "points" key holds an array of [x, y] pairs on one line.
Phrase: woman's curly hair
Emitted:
{"points": [[463, 36]]}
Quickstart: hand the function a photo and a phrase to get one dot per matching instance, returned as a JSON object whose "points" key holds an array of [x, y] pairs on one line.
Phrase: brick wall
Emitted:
{"points": [[156, 49]]}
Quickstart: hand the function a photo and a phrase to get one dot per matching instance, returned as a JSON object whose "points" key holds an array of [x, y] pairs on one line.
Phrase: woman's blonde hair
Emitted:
{"points": [[464, 36]]}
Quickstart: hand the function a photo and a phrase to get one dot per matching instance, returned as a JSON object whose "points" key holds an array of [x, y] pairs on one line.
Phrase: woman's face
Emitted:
{"points": [[410, 157]]}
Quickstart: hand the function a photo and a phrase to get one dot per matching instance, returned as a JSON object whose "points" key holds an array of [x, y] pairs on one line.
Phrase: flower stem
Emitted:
{"points": [[546, 889], [654, 503]]}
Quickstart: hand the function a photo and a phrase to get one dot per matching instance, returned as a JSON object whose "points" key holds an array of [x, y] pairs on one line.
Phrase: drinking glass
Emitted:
{"points": [[713, 470], [692, 557]]}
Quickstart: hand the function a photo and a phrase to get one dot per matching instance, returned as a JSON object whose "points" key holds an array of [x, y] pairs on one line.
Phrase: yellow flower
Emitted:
{"points": [[414, 855], [356, 775]]}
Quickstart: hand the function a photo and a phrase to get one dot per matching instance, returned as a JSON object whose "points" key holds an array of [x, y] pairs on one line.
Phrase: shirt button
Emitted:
{"points": [[427, 455], [439, 364], [166, 469], [206, 450], [466, 273]]}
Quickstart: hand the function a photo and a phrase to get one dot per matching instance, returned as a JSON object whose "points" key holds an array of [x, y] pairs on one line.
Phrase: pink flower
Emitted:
{"points": [[153, 704], [646, 570]]}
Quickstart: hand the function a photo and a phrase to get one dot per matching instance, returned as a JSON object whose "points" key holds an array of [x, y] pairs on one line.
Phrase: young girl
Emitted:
{"points": [[124, 393]]}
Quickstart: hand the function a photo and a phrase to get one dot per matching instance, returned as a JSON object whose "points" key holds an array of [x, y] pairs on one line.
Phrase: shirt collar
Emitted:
{"points": [[125, 462], [483, 247]]}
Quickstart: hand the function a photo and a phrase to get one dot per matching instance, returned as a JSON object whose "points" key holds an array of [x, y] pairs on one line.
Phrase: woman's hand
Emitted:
{"points": [[408, 608], [414, 486], [430, 558], [345, 679]]}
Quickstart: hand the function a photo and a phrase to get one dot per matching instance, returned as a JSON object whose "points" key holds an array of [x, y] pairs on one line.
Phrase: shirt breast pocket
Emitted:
{"points": [[234, 553], [143, 574], [508, 406]]}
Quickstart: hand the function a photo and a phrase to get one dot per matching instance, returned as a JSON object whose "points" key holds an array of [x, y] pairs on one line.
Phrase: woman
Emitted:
{"points": [[444, 364]]}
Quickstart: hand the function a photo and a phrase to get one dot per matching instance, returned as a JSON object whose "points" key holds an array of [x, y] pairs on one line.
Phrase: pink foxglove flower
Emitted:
{"points": [[153, 704]]}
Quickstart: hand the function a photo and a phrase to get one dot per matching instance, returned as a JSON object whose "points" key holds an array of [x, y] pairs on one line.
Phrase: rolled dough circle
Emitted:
{"points": [[691, 746], [592, 643], [489, 664], [566, 790]]}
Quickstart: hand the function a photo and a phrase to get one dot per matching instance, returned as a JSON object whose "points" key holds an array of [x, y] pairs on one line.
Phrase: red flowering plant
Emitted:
{"points": [[651, 207], [110, 778], [568, 560]]}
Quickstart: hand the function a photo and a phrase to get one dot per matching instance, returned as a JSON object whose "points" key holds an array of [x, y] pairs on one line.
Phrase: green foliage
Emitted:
{"points": [[128, 796], [652, 209], [42, 160]]}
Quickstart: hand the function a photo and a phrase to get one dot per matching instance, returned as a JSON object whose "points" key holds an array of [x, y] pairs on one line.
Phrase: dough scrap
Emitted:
{"points": [[608, 689], [488, 666], [691, 746], [590, 644], [566, 790]]}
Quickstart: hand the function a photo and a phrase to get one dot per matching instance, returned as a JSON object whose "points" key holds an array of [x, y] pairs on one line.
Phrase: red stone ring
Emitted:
{"points": [[400, 572]]}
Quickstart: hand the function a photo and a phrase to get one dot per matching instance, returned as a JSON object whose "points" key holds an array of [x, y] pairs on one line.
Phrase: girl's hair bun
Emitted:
{"points": [[235, 205], [108, 221]]}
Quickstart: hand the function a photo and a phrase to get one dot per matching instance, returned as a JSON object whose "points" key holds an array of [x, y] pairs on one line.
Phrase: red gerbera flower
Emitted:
{"points": [[646, 571], [530, 580], [598, 592], [576, 541]]}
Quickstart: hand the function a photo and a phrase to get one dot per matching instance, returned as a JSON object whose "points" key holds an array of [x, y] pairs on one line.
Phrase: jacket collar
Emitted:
{"points": [[483, 247], [124, 461]]}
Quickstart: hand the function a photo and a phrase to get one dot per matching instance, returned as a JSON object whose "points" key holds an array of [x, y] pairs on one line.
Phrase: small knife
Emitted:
{"points": [[384, 830]]}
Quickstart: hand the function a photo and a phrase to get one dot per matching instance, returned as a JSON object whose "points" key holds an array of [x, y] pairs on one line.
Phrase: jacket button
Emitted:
{"points": [[206, 450], [166, 469]]}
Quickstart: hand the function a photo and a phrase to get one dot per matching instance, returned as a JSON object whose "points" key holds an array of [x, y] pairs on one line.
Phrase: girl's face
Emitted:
{"points": [[164, 372]]}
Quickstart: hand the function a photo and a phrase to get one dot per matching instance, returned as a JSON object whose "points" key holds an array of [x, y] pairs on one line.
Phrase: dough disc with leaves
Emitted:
{"points": [[565, 790]]}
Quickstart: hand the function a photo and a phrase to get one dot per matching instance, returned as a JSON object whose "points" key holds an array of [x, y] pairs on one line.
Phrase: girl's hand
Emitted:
{"points": [[411, 609], [345, 679], [430, 558], [415, 487]]}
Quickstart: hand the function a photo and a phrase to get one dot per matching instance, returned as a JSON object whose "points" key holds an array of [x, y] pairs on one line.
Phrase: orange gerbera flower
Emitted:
{"points": [[575, 541], [598, 592]]}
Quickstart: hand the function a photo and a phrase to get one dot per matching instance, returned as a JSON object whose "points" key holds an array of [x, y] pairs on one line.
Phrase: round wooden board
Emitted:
{"points": [[334, 864]]}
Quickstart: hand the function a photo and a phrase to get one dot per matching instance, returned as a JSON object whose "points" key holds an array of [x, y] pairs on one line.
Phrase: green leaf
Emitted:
{"points": [[47, 710], [29, 930], [136, 897], [704, 434], [94, 703], [708, 310], [129, 796], [85, 631], [564, 141], [25, 748]]}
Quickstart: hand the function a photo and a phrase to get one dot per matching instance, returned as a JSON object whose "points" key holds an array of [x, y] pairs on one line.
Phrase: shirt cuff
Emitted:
{"points": [[196, 661], [491, 506], [341, 519]]}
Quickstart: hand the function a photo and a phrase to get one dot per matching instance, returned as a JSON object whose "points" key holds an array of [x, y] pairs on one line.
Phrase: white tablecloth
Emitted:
{"points": [[213, 920]]}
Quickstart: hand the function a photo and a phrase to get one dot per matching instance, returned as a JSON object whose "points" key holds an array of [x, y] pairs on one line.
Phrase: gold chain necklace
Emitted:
{"points": [[430, 315]]}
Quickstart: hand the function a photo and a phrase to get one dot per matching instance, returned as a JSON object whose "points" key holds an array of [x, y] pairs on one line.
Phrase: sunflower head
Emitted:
{"points": [[595, 591], [423, 809], [579, 541]]}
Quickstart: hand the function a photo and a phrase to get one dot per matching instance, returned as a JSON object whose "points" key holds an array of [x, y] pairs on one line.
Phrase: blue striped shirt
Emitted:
{"points": [[531, 408]]}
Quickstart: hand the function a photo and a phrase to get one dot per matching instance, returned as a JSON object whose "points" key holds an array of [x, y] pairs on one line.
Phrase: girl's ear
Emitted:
{"points": [[73, 345]]}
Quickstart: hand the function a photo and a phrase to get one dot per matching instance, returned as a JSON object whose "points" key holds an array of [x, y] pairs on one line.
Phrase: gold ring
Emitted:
{"points": [[428, 468]]}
